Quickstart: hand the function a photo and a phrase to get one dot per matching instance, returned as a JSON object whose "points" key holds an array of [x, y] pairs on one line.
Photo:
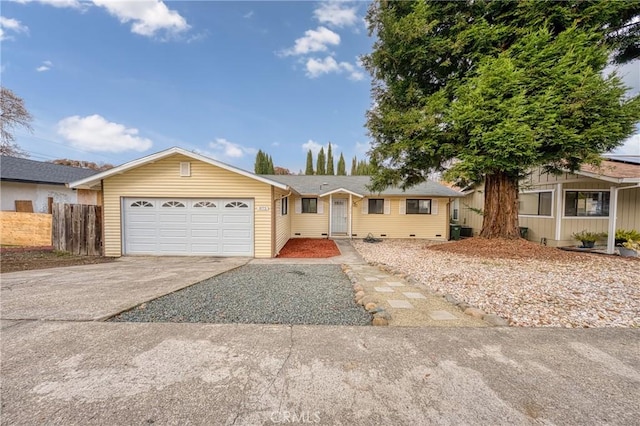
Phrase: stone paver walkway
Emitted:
{"points": [[408, 305]]}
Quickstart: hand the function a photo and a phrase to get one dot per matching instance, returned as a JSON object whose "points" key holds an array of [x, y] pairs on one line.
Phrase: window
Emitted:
{"points": [[415, 206], [376, 206], [309, 205], [586, 203], [236, 204], [208, 204], [535, 203], [284, 206], [141, 204], [173, 204]]}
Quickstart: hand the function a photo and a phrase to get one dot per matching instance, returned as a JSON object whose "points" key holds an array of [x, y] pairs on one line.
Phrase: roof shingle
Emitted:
{"points": [[24, 170]]}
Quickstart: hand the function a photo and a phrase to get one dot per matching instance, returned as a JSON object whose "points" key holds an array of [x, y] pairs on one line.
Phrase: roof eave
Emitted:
{"points": [[87, 183], [606, 178]]}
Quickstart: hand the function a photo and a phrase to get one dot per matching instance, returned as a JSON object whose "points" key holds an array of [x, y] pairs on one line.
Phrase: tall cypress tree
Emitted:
{"points": [[258, 166], [354, 166], [330, 170], [342, 170], [270, 169], [309, 168], [321, 163]]}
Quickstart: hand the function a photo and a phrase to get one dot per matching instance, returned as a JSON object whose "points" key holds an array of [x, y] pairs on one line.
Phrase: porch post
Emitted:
{"points": [[330, 213], [350, 214], [559, 197], [613, 213]]}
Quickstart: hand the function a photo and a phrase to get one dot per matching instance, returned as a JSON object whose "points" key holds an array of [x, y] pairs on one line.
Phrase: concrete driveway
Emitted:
{"points": [[96, 373], [96, 292]]}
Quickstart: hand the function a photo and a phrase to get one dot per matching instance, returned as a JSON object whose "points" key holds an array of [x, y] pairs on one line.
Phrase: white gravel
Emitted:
{"points": [[603, 291]]}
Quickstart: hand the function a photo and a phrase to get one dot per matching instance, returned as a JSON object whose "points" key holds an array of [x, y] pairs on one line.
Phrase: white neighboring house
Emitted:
{"points": [[41, 183]]}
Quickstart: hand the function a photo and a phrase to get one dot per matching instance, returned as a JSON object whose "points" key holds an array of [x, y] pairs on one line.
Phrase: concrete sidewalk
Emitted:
{"points": [[112, 373]]}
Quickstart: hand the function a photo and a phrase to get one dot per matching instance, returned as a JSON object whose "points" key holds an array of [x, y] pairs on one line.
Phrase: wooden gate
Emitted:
{"points": [[77, 229]]}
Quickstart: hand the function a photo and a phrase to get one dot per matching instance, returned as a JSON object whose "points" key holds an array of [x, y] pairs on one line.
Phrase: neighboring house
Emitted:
{"points": [[41, 184], [552, 207], [176, 202]]}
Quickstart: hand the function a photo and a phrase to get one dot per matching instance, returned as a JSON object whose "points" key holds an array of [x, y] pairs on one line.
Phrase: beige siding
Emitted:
{"points": [[468, 217], [397, 225], [162, 179], [283, 222], [629, 209], [309, 225]]}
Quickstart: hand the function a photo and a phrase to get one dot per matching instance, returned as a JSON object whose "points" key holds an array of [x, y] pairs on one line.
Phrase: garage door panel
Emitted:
{"points": [[231, 219], [222, 227]]}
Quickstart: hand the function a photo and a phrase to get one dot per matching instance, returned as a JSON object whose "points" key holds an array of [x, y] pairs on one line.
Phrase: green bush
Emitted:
{"points": [[587, 236]]}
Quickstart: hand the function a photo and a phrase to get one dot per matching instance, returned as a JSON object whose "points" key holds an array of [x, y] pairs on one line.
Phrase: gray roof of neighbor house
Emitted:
{"points": [[14, 169], [317, 185]]}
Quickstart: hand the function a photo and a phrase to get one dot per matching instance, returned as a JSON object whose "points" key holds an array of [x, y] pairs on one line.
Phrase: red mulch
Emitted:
{"points": [[509, 249], [309, 248]]}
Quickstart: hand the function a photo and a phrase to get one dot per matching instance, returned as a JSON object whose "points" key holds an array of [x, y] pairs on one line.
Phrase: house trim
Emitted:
{"points": [[91, 181]]}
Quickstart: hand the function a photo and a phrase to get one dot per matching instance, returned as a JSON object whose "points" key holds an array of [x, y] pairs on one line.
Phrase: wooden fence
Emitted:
{"points": [[77, 229]]}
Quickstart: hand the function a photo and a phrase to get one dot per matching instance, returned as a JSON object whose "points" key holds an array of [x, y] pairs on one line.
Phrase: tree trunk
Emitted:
{"points": [[500, 207]]}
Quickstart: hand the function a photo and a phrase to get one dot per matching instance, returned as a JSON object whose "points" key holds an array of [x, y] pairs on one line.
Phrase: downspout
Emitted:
{"points": [[350, 212], [613, 213]]}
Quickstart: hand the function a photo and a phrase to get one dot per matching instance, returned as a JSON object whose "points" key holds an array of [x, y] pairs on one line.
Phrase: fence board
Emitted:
{"points": [[77, 228]]}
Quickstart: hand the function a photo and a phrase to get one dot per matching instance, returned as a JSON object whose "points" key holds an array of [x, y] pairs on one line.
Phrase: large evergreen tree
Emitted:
{"points": [[342, 169], [309, 168], [259, 165], [354, 166], [499, 88], [321, 163], [330, 169]]}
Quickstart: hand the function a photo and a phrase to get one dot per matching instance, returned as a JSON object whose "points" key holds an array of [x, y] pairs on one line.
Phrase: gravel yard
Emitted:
{"points": [[585, 291], [261, 294]]}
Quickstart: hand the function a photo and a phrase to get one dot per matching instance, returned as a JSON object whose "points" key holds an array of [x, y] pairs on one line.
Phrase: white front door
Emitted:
{"points": [[339, 216]]}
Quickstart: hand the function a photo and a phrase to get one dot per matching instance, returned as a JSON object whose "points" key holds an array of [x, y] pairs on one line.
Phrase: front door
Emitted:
{"points": [[339, 216]]}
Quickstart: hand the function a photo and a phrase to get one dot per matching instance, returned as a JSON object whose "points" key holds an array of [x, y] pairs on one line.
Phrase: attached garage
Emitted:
{"points": [[188, 226], [180, 203]]}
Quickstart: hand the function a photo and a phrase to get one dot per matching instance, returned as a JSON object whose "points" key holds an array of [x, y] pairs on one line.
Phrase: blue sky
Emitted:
{"points": [[113, 81]]}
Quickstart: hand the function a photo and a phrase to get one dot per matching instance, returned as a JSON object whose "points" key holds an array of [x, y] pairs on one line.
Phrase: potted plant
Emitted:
{"points": [[587, 238], [629, 248], [622, 236]]}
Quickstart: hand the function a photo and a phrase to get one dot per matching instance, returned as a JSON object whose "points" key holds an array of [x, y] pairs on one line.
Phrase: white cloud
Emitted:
{"points": [[275, 144], [315, 146], [46, 66], [630, 147], [11, 25], [148, 16], [317, 67], [316, 40], [94, 133], [55, 3], [248, 15], [230, 149], [336, 14]]}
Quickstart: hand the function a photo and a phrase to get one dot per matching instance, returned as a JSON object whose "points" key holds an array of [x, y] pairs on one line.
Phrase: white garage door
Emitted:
{"points": [[179, 226]]}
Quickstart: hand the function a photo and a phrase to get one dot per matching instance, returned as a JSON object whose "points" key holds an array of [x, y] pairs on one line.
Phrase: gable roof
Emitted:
{"points": [[97, 178], [324, 185], [613, 171], [14, 169]]}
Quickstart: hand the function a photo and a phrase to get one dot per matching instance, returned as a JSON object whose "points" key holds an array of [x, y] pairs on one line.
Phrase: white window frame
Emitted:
{"points": [[553, 202], [564, 201]]}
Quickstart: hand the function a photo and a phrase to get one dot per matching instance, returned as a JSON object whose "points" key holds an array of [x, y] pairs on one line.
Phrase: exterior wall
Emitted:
{"points": [[38, 194], [162, 179], [25, 229], [282, 222], [629, 209], [392, 225], [396, 225], [545, 227], [468, 217], [87, 196], [309, 225]]}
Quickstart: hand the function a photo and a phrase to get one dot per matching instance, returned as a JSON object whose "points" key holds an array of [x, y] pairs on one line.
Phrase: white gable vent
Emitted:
{"points": [[185, 168]]}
